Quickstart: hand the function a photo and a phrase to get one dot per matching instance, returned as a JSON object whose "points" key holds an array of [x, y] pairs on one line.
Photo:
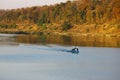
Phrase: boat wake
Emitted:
{"points": [[51, 48]]}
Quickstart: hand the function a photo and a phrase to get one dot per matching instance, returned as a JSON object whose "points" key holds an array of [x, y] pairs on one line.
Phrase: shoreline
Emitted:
{"points": [[56, 29], [61, 33]]}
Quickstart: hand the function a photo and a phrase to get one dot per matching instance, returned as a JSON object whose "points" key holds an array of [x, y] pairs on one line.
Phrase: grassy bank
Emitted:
{"points": [[85, 29]]}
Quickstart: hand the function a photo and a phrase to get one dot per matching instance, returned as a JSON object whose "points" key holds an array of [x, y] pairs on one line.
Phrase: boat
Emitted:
{"points": [[75, 50]]}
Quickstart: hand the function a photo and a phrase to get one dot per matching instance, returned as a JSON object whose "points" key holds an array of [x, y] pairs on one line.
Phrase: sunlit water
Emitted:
{"points": [[24, 57]]}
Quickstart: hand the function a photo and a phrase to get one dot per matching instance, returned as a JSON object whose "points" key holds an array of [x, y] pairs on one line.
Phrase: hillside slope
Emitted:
{"points": [[85, 16]]}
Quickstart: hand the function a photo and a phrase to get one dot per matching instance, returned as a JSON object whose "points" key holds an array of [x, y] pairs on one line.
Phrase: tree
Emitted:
{"points": [[42, 20], [83, 16], [66, 26]]}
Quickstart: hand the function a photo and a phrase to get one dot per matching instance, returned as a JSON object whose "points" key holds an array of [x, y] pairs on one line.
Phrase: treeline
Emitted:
{"points": [[8, 25], [75, 12]]}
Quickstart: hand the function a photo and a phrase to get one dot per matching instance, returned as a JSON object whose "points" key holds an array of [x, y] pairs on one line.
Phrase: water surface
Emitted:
{"points": [[33, 57]]}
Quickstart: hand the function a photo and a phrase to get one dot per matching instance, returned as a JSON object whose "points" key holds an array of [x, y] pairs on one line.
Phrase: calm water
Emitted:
{"points": [[45, 57]]}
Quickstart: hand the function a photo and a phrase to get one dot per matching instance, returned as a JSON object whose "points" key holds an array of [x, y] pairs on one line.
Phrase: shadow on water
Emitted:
{"points": [[89, 41]]}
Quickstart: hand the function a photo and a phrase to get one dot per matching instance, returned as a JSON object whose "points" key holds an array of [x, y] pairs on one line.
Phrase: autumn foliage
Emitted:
{"points": [[75, 12]]}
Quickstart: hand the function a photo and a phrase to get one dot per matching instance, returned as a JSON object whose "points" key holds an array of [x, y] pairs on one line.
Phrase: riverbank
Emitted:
{"points": [[108, 30]]}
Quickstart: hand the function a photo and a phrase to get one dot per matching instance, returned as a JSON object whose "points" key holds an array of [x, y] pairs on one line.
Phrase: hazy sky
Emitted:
{"points": [[13, 4]]}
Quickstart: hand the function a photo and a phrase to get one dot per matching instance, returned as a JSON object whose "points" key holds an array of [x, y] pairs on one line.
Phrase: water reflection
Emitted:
{"points": [[71, 40], [66, 39], [8, 39], [92, 41]]}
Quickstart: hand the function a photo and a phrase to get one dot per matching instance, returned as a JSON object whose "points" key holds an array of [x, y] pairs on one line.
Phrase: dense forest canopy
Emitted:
{"points": [[76, 12]]}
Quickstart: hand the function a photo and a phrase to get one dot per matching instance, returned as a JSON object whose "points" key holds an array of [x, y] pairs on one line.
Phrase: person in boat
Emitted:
{"points": [[75, 50]]}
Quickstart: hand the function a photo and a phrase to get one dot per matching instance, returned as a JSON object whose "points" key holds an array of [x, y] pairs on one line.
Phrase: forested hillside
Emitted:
{"points": [[71, 13]]}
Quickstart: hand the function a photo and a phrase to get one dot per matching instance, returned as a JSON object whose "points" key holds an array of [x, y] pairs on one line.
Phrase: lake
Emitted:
{"points": [[47, 57]]}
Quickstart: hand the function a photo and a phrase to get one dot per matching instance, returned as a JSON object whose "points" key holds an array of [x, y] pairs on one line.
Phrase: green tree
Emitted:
{"points": [[42, 20], [83, 16]]}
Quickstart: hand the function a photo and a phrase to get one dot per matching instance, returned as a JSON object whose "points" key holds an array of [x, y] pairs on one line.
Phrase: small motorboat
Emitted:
{"points": [[75, 50]]}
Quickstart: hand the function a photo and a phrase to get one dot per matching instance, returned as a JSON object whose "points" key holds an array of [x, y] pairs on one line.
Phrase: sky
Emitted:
{"points": [[13, 4]]}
